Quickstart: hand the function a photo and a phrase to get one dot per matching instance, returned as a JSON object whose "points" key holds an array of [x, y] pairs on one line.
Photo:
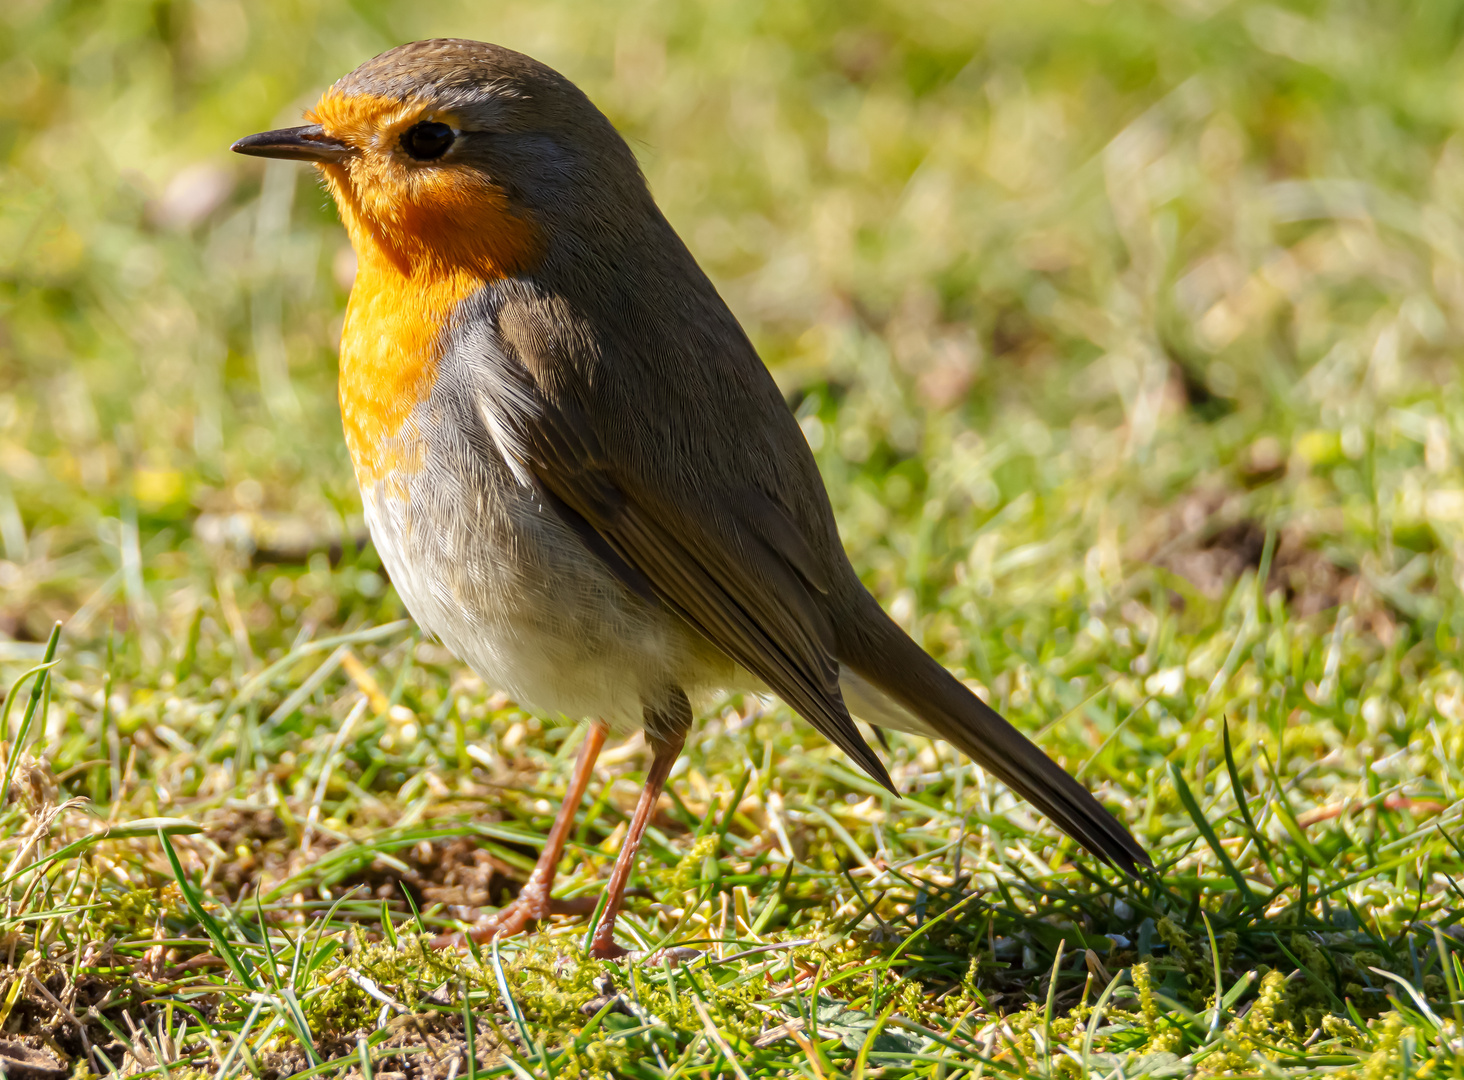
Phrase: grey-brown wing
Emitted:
{"points": [[732, 565]]}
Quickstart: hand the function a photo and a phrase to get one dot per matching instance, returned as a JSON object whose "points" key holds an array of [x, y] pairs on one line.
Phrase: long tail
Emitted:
{"points": [[882, 654]]}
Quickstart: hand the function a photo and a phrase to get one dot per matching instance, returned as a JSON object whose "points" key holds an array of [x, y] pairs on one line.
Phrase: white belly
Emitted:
{"points": [[505, 585]]}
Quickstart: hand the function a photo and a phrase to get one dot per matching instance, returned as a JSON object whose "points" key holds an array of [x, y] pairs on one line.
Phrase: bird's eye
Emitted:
{"points": [[427, 140]]}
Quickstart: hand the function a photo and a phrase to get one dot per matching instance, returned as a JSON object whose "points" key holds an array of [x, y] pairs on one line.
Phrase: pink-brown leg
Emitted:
{"points": [[666, 750], [533, 902]]}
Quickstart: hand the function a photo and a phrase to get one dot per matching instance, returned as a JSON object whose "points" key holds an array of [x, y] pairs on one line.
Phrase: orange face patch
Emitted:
{"points": [[426, 235]]}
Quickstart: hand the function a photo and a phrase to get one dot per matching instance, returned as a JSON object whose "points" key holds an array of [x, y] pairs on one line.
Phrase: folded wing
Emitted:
{"points": [[733, 566]]}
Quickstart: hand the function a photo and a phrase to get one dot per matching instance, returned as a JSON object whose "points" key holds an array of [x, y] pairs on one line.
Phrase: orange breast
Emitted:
{"points": [[426, 237], [390, 348]]}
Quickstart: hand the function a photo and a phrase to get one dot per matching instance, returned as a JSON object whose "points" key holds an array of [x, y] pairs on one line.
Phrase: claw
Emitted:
{"points": [[608, 951], [507, 921]]}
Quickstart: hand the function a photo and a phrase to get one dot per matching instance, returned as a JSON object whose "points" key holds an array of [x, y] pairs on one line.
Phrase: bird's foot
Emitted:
{"points": [[530, 907], [675, 955], [607, 950], [514, 918]]}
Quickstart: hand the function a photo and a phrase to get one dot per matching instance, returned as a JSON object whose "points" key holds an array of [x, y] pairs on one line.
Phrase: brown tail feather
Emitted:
{"points": [[882, 653]]}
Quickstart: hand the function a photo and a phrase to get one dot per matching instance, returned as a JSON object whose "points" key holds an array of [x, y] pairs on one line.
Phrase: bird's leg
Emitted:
{"points": [[533, 902], [666, 747]]}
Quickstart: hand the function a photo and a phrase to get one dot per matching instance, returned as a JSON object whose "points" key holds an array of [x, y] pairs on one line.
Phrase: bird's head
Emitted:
{"points": [[451, 155]]}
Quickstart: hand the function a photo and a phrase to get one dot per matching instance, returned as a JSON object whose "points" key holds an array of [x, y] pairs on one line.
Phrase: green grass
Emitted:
{"points": [[1127, 337]]}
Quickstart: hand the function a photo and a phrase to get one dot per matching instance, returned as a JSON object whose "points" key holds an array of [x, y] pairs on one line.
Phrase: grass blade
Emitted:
{"points": [[210, 925], [1187, 798], [42, 674]]}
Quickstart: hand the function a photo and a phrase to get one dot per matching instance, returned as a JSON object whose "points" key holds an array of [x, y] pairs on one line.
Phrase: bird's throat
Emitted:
{"points": [[414, 265]]}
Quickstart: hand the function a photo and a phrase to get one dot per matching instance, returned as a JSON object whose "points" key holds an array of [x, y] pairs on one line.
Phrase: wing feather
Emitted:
{"points": [[752, 591]]}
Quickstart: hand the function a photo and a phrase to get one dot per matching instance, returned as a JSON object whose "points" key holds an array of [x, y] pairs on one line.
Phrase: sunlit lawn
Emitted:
{"points": [[1126, 336]]}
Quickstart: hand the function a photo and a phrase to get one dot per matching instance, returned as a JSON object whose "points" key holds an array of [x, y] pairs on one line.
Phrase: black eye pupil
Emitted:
{"points": [[427, 140]]}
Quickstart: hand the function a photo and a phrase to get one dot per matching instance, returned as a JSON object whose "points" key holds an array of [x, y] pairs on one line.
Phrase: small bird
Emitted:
{"points": [[577, 471]]}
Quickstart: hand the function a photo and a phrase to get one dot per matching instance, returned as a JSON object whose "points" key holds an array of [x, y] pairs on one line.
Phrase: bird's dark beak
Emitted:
{"points": [[308, 143]]}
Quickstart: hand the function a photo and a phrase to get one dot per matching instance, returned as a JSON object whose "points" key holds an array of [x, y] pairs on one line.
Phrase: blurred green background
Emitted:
{"points": [[1077, 302], [1069, 263], [1071, 259], [1126, 335]]}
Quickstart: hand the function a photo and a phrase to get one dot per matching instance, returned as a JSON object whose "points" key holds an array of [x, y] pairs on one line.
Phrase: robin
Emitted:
{"points": [[577, 471]]}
